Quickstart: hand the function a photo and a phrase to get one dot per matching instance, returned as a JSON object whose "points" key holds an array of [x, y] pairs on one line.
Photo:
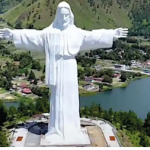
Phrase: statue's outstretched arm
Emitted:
{"points": [[101, 38], [25, 38]]}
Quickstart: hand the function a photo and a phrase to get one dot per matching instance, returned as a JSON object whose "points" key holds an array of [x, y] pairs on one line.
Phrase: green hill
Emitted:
{"points": [[5, 5], [88, 13]]}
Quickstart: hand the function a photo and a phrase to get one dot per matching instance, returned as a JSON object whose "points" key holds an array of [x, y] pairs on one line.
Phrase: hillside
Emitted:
{"points": [[6, 5], [88, 13]]}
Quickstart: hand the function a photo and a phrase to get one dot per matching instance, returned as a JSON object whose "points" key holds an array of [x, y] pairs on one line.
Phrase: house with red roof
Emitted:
{"points": [[26, 91]]}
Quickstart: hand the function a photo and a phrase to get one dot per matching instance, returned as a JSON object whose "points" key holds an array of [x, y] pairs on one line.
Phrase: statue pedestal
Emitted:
{"points": [[77, 139]]}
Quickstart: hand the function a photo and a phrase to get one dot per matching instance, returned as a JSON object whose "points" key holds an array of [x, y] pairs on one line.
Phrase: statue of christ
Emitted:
{"points": [[61, 42]]}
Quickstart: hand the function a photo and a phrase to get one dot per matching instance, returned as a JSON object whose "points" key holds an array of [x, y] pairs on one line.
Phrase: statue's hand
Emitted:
{"points": [[121, 33], [6, 34]]}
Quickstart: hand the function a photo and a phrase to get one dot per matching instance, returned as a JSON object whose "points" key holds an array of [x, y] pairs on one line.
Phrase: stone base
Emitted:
{"points": [[75, 140]]}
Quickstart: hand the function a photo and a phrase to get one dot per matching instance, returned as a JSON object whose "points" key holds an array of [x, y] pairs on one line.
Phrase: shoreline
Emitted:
{"points": [[107, 88], [83, 92]]}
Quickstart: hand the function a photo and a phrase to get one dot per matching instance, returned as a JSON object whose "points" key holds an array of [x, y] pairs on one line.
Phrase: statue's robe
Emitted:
{"points": [[60, 48]]}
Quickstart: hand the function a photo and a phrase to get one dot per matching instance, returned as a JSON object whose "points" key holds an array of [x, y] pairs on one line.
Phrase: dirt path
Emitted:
{"points": [[96, 136]]}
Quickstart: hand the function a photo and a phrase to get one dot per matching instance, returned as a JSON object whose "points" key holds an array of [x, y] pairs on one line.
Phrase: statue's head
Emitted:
{"points": [[64, 16]]}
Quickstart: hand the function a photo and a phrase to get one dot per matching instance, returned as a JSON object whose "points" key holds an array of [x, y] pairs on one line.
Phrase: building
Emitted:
{"points": [[26, 91], [92, 79], [116, 75], [88, 79], [98, 80], [89, 87], [98, 67], [96, 56], [23, 86], [121, 67]]}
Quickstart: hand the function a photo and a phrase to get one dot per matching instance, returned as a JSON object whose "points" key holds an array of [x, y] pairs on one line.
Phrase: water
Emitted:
{"points": [[135, 97]]}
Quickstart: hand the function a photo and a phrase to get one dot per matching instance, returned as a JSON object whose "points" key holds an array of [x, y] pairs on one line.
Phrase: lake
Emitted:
{"points": [[135, 97]]}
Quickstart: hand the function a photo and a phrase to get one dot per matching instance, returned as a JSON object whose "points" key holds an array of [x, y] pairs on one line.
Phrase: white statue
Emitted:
{"points": [[62, 41]]}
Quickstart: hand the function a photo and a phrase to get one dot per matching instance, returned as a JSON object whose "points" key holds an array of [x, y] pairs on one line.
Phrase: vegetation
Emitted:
{"points": [[124, 121], [26, 109], [18, 64], [5, 5], [88, 14], [107, 75]]}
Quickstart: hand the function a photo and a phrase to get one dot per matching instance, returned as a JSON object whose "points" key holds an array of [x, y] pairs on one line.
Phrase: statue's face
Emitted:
{"points": [[64, 17]]}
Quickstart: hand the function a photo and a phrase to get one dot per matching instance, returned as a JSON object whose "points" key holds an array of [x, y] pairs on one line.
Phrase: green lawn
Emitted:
{"points": [[2, 91]]}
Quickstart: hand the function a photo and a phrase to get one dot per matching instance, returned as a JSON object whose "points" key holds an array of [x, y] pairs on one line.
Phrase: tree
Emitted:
{"points": [[144, 141], [107, 79], [31, 109], [42, 77], [123, 77], [100, 87], [12, 111], [35, 81], [43, 69], [109, 72], [146, 125], [42, 105], [26, 72], [3, 113], [36, 65], [24, 62], [3, 139], [22, 109], [18, 25], [31, 76]]}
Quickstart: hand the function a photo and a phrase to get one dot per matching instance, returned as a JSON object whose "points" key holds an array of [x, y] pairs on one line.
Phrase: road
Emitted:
{"points": [[134, 71]]}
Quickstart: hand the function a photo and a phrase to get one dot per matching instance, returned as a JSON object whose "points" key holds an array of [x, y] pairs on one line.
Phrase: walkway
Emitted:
{"points": [[107, 130], [19, 142]]}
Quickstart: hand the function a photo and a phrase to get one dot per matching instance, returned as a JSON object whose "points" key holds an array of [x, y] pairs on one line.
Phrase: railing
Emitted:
{"points": [[117, 138], [114, 131]]}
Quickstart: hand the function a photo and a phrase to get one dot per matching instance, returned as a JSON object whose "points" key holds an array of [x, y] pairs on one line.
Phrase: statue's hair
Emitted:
{"points": [[63, 5]]}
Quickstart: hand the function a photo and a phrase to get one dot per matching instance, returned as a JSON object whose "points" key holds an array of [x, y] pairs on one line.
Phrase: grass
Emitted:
{"points": [[83, 92], [21, 81], [124, 139], [2, 91], [80, 67], [38, 73], [127, 138], [82, 82], [140, 77], [23, 119], [105, 63], [120, 84]]}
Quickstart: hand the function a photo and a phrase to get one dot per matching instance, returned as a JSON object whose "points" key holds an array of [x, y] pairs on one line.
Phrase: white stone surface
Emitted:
{"points": [[30, 139], [19, 133], [80, 139], [61, 42]]}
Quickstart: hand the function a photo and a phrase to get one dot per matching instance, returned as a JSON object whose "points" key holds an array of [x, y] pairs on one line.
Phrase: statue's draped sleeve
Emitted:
{"points": [[29, 39], [96, 39]]}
